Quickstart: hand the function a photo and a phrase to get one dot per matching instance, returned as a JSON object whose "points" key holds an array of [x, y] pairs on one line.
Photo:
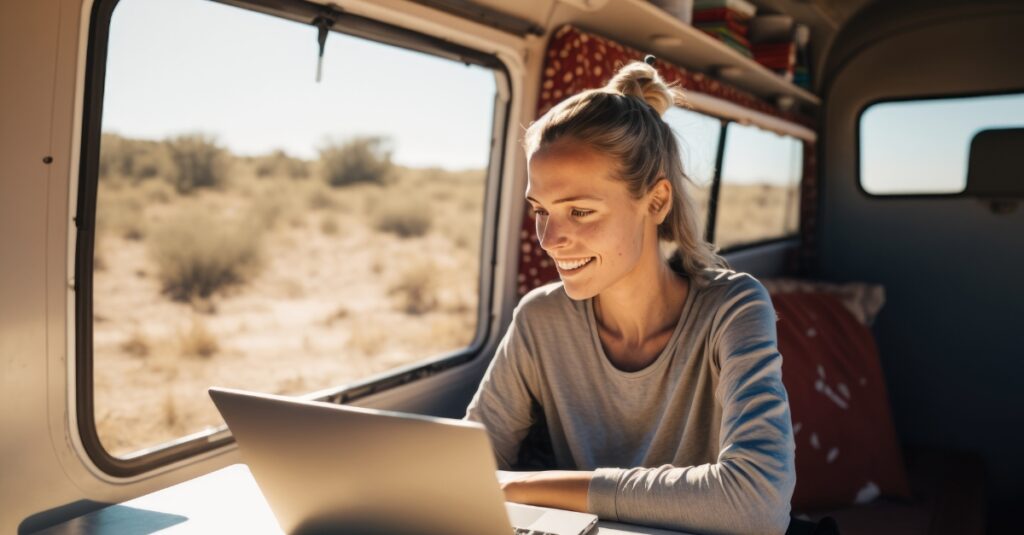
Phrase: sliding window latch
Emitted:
{"points": [[323, 25]]}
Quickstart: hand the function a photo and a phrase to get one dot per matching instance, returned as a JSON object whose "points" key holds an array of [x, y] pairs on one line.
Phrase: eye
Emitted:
{"points": [[537, 211], [581, 213]]}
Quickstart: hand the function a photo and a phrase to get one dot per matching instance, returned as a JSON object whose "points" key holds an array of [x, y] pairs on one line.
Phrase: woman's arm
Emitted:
{"points": [[561, 489], [748, 488], [504, 401]]}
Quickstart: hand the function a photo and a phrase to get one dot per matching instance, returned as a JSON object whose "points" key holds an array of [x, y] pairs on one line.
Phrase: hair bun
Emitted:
{"points": [[640, 80]]}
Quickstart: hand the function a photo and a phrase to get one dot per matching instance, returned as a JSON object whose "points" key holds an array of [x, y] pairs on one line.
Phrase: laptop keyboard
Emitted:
{"points": [[528, 531]]}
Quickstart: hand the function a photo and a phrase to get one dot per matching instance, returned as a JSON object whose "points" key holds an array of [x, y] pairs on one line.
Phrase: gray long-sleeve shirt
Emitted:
{"points": [[700, 440]]}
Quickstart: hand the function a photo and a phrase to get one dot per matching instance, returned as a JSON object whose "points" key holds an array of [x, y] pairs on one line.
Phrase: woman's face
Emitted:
{"points": [[587, 221]]}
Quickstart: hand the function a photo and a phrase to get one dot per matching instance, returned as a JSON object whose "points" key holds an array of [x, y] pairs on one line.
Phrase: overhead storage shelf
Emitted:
{"points": [[644, 26]]}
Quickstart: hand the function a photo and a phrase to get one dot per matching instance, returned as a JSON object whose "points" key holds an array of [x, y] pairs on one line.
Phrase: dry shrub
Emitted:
{"points": [[321, 198], [329, 226], [341, 313], [164, 366], [359, 160], [156, 191], [120, 212], [416, 288], [198, 162], [463, 229], [377, 265], [279, 164], [197, 255], [271, 207], [170, 410], [137, 345], [402, 215], [133, 160], [198, 341]]}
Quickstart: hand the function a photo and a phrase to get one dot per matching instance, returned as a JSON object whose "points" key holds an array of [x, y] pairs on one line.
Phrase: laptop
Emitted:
{"points": [[328, 468]]}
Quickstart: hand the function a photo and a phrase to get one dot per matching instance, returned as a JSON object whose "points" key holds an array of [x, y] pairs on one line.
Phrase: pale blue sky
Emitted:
{"points": [[755, 155], [177, 66], [922, 146]]}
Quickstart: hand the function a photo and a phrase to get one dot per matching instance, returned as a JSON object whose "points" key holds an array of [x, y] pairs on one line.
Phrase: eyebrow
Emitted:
{"points": [[570, 199]]}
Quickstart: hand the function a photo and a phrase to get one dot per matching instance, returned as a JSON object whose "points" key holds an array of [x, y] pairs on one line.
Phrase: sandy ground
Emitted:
{"points": [[320, 312]]}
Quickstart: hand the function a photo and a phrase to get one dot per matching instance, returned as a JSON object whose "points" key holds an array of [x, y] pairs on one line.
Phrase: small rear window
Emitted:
{"points": [[921, 147]]}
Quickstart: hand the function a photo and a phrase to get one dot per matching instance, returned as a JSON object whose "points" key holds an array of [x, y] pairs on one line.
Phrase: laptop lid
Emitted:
{"points": [[327, 468]]}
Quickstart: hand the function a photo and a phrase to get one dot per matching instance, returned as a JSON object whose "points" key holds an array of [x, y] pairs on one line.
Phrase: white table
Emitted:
{"points": [[225, 501]]}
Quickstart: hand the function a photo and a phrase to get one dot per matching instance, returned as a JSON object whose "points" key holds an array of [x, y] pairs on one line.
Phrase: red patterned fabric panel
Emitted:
{"points": [[807, 254], [846, 446], [575, 61]]}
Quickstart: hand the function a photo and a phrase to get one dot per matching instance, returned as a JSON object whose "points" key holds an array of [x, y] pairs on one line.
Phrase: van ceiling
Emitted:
{"points": [[824, 17]]}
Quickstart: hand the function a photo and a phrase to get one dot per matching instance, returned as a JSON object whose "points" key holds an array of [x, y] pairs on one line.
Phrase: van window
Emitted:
{"points": [[698, 137], [921, 147], [758, 199], [257, 229]]}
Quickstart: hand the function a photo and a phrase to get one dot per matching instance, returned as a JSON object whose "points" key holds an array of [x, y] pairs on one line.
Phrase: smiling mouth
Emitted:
{"points": [[568, 266]]}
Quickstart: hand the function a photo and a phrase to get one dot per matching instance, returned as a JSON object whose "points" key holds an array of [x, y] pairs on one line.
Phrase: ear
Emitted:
{"points": [[660, 200]]}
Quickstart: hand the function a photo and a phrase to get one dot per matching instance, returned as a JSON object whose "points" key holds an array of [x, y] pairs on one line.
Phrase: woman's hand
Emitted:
{"points": [[560, 489]]}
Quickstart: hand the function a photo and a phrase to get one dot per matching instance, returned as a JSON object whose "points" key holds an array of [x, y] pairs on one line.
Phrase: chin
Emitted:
{"points": [[578, 292]]}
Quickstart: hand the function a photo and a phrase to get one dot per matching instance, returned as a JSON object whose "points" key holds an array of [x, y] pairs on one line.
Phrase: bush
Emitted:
{"points": [[416, 288], [279, 164], [269, 208], [156, 191], [198, 341], [329, 226], [197, 162], [362, 159], [197, 255], [136, 345], [402, 215], [321, 198], [132, 159], [121, 213]]}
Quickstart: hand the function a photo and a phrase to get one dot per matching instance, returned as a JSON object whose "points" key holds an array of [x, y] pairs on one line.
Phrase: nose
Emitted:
{"points": [[551, 233]]}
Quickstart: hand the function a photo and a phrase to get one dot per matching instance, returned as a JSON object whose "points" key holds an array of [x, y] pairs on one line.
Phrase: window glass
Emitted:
{"points": [[698, 136], [922, 146], [759, 194], [257, 229]]}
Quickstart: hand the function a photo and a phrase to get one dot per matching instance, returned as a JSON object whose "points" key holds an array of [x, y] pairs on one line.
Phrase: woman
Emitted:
{"points": [[660, 386]]}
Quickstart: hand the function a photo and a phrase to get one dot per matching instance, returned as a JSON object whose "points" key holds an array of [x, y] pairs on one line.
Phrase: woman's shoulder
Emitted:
{"points": [[545, 301], [548, 307], [722, 285]]}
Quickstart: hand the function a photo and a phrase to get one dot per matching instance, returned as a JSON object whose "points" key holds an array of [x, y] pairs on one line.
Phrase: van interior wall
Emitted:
{"points": [[949, 333]]}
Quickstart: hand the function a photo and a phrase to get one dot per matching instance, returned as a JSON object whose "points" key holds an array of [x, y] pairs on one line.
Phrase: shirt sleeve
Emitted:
{"points": [[748, 489], [504, 402]]}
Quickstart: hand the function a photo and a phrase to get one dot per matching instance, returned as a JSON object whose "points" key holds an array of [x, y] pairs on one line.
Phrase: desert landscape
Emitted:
{"points": [[262, 273], [284, 275]]}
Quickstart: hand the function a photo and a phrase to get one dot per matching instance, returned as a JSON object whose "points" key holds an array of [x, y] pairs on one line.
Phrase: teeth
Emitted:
{"points": [[572, 264]]}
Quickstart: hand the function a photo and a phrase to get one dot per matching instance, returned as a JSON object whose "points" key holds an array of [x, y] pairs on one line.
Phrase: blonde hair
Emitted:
{"points": [[623, 120]]}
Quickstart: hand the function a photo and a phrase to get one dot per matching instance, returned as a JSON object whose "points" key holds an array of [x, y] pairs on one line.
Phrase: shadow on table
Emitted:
{"points": [[104, 518]]}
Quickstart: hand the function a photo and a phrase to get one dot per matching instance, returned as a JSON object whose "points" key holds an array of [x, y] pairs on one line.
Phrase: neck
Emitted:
{"points": [[646, 302]]}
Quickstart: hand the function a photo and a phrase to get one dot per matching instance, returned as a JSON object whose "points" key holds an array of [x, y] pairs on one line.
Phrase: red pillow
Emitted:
{"points": [[846, 446]]}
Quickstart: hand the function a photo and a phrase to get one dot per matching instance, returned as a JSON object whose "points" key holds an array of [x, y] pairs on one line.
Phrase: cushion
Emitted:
{"points": [[862, 299], [846, 446]]}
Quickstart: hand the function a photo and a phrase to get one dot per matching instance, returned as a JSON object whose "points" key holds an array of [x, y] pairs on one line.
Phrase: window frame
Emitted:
{"points": [[85, 224], [859, 184], [717, 185]]}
